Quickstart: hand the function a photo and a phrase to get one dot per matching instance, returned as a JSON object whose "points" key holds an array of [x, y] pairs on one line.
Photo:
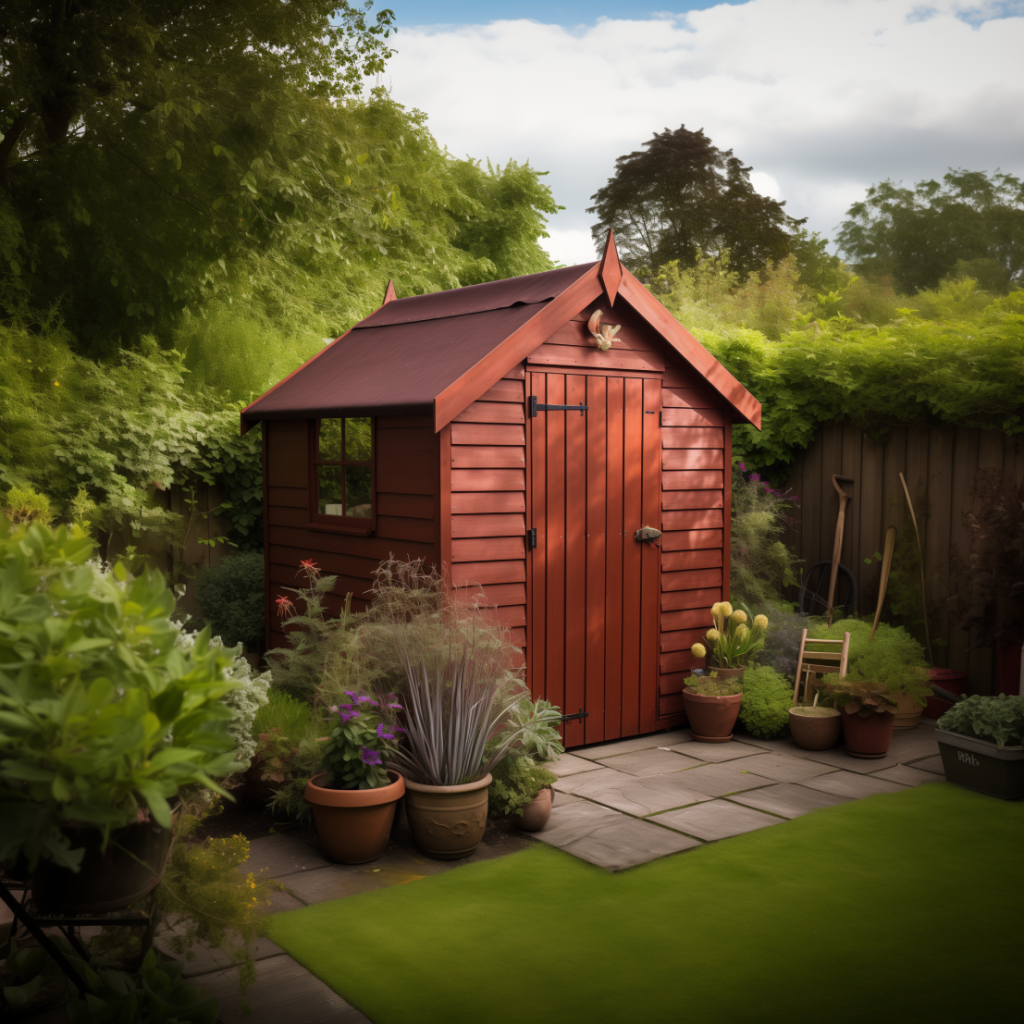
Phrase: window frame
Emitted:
{"points": [[362, 526]]}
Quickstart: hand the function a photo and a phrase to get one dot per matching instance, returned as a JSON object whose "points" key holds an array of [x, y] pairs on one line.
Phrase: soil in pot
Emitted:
{"points": [[536, 813], [354, 824], [868, 736], [728, 673], [711, 717], [815, 728], [447, 822]]}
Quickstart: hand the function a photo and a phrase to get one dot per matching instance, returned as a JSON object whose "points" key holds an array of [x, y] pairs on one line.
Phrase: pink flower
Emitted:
{"points": [[284, 606]]}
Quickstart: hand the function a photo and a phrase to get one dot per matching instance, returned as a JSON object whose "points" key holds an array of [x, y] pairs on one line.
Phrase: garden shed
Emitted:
{"points": [[485, 430]]}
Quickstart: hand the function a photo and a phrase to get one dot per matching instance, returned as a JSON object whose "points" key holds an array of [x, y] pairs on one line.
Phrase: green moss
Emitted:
{"points": [[767, 697]]}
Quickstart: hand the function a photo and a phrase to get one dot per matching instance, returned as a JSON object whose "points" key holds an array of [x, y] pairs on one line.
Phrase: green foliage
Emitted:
{"points": [[782, 641], [23, 505], [712, 686], [516, 781], [231, 598], [733, 639], [361, 743], [101, 713], [767, 697], [539, 721], [1000, 719], [292, 717]]}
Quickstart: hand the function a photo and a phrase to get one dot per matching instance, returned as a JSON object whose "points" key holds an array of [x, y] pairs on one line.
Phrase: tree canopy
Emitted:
{"points": [[681, 195], [971, 224]]}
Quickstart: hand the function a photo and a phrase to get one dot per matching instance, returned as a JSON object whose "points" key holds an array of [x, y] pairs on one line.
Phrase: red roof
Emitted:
{"points": [[437, 353]]}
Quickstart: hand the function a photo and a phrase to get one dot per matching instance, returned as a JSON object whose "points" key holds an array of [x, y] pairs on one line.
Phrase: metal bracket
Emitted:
{"points": [[535, 407], [531, 537], [580, 715]]}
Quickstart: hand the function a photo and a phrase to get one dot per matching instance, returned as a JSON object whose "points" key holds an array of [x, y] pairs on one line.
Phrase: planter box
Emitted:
{"points": [[980, 765]]}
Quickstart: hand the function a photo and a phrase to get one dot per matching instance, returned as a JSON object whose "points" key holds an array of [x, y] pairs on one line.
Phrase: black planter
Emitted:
{"points": [[980, 765], [129, 869]]}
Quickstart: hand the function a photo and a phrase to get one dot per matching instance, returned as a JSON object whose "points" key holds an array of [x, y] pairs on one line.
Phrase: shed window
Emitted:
{"points": [[343, 459]]}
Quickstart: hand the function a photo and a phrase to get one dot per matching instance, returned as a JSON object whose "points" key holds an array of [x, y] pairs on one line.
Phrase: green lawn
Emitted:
{"points": [[902, 907]]}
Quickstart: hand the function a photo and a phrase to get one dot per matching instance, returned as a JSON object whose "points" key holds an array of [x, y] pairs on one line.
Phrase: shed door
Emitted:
{"points": [[594, 480]]}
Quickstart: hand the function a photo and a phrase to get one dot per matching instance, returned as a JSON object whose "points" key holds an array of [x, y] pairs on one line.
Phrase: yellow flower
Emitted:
{"points": [[56, 383], [739, 615], [712, 635], [742, 630], [726, 608], [716, 608], [761, 621], [699, 651]]}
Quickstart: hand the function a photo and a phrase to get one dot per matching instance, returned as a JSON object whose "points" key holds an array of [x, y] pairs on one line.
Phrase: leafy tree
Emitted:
{"points": [[681, 195], [971, 224]]}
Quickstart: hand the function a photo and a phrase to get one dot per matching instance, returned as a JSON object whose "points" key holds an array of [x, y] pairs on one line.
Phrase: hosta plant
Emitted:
{"points": [[103, 718]]}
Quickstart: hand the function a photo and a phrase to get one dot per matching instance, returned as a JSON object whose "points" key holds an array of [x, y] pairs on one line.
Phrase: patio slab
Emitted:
{"points": [[632, 795], [783, 768], [644, 763], [715, 752], [851, 784], [837, 757], [658, 739], [282, 855], [930, 764], [719, 779], [608, 839], [906, 775], [570, 764], [787, 799], [718, 819], [782, 745]]}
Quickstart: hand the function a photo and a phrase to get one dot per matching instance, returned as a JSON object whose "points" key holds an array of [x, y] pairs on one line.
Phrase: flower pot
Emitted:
{"points": [[980, 765], [712, 718], [868, 736], [128, 870], [354, 824], [817, 731], [447, 822], [728, 673], [536, 813], [256, 788], [948, 679], [908, 713]]}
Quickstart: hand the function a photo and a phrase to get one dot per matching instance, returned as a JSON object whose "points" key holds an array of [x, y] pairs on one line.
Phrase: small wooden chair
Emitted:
{"points": [[817, 662]]}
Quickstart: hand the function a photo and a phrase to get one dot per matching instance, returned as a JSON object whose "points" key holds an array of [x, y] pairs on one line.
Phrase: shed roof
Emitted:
{"points": [[437, 353]]}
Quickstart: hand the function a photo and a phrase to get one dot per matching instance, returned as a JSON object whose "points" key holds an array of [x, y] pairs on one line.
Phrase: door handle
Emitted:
{"points": [[647, 533]]}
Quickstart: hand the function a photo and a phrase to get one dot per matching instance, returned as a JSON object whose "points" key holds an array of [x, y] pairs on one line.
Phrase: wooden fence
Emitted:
{"points": [[939, 464]]}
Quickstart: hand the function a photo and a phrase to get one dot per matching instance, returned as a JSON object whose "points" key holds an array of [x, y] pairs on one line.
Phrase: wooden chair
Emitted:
{"points": [[818, 660]]}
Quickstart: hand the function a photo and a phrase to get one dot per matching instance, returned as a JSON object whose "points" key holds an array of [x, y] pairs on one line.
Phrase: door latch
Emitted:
{"points": [[648, 533]]}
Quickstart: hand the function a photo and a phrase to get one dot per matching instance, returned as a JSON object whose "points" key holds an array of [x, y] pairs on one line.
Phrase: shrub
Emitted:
{"points": [[517, 780], [1000, 719], [231, 598], [782, 641], [292, 717], [767, 698], [23, 505]]}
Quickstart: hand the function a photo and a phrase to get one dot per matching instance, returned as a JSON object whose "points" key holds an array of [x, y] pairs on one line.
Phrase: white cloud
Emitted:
{"points": [[822, 97]]}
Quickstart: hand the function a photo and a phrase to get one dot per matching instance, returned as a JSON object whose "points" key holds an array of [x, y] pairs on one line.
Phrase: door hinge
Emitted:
{"points": [[535, 407], [580, 715], [531, 538]]}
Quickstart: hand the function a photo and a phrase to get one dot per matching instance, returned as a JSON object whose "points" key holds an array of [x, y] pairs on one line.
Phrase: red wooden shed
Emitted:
{"points": [[436, 428]]}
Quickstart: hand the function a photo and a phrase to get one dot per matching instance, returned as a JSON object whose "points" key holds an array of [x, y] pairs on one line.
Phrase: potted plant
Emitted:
{"points": [[712, 706], [980, 740], [816, 727], [868, 713], [105, 720], [354, 798], [731, 641]]}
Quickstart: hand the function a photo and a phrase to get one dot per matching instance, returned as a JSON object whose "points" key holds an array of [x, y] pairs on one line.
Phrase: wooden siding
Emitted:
{"points": [[938, 463], [406, 489]]}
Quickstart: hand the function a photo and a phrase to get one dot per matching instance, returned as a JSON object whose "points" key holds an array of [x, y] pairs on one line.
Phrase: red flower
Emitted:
{"points": [[310, 568], [284, 606]]}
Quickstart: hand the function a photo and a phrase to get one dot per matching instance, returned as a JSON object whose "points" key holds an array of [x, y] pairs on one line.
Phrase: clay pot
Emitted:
{"points": [[819, 731], [712, 718], [868, 736], [948, 679], [908, 713], [536, 813], [728, 673], [354, 824], [447, 822]]}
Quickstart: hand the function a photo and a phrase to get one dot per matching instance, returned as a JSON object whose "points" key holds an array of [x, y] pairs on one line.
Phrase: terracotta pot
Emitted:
{"points": [[354, 824], [536, 813], [908, 713], [815, 732], [728, 673], [868, 736], [712, 718], [128, 870], [447, 822]]}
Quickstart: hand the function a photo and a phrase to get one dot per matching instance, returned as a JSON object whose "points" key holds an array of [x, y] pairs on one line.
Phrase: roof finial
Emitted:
{"points": [[611, 270], [389, 294]]}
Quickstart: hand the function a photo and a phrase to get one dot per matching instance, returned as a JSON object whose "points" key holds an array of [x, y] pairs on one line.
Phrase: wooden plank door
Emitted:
{"points": [[592, 622]]}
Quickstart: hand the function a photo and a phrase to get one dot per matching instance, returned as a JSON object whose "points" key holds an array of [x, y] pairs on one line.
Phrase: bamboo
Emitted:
{"points": [[920, 555], [890, 544]]}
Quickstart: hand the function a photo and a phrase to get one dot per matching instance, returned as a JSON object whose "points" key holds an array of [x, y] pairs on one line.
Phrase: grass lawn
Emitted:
{"points": [[902, 907]]}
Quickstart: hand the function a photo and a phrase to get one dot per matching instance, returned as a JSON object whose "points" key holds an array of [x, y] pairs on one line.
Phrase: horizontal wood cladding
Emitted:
{"points": [[692, 458], [287, 457], [487, 502], [676, 661], [693, 519], [472, 574], [488, 480], [691, 540], [490, 457], [680, 639], [673, 561], [495, 596], [692, 499], [412, 506], [406, 457], [594, 358], [505, 391], [488, 526], [346, 544], [677, 417], [488, 549], [491, 412], [693, 437], [692, 579], [686, 618], [486, 433], [673, 600], [672, 683], [693, 480], [670, 704], [288, 497], [690, 398]]}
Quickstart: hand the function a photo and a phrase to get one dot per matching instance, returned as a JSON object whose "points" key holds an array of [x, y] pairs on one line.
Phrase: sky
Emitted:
{"points": [[821, 97]]}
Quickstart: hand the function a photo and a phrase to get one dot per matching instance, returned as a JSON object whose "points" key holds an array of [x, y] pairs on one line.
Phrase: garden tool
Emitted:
{"points": [[844, 500], [890, 544], [920, 555]]}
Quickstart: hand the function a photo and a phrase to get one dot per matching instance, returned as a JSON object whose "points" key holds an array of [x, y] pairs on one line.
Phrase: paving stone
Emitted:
{"points": [[914, 743], [608, 839], [719, 779], [658, 739], [839, 758], [283, 991], [906, 776], [282, 855], [630, 794], [782, 768], [780, 745], [715, 752], [569, 764], [930, 764], [644, 763], [718, 819], [851, 784], [787, 799]]}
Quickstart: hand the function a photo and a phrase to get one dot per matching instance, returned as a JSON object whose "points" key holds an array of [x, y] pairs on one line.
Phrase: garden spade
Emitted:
{"points": [[844, 500]]}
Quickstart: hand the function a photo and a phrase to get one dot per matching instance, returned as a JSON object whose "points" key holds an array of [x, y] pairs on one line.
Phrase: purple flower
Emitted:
{"points": [[398, 728], [755, 477], [368, 756], [382, 734], [347, 712], [743, 467]]}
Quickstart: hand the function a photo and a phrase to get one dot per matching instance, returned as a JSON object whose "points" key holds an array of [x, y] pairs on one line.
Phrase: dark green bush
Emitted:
{"points": [[767, 697], [231, 598]]}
